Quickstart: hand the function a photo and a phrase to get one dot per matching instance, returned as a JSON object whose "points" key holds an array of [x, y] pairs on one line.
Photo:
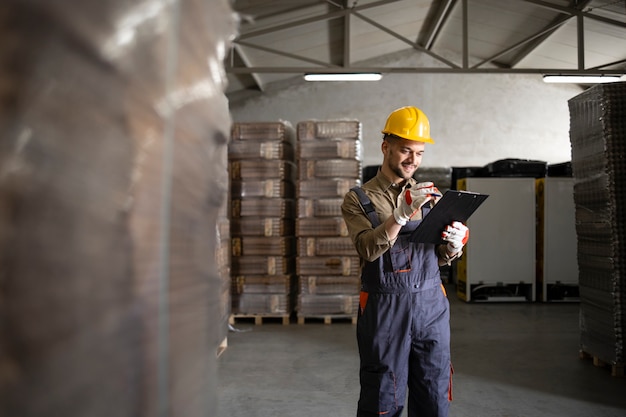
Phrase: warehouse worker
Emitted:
{"points": [[403, 328]]}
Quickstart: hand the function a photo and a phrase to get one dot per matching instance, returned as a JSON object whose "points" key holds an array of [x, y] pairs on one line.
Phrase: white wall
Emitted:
{"points": [[475, 119]]}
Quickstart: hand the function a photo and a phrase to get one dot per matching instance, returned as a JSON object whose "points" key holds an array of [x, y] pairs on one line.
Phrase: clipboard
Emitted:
{"points": [[454, 206]]}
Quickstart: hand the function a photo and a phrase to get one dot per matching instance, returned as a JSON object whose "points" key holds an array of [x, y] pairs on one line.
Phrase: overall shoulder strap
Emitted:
{"points": [[367, 205]]}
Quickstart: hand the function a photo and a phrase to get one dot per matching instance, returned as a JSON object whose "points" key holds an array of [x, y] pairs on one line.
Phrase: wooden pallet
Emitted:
{"points": [[222, 347], [259, 318], [326, 319], [617, 369]]}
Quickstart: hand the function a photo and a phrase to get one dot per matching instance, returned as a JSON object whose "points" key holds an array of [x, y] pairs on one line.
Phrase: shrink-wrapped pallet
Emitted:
{"points": [[328, 305], [261, 304], [328, 130], [329, 155], [329, 168], [325, 246], [324, 285], [263, 207], [261, 284], [330, 149], [261, 265], [327, 265], [263, 173], [112, 178], [254, 169], [268, 226], [262, 132], [263, 150], [326, 188], [319, 207], [268, 188], [262, 245], [598, 138], [321, 226]]}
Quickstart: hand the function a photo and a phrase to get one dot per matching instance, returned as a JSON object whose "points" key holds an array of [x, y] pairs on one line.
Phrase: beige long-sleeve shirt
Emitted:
{"points": [[371, 242]]}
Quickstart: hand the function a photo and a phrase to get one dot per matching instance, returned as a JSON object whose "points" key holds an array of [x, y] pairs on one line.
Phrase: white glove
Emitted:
{"points": [[456, 235], [413, 199]]}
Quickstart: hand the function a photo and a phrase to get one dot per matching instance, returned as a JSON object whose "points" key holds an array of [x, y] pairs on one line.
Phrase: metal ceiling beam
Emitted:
{"points": [[444, 11], [285, 54], [346, 37], [414, 45], [554, 25], [580, 36], [257, 80], [421, 70], [523, 42], [573, 11], [610, 64], [439, 19], [313, 19], [464, 11]]}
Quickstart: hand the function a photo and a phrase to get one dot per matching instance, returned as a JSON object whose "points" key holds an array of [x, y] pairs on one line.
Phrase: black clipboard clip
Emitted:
{"points": [[453, 206]]}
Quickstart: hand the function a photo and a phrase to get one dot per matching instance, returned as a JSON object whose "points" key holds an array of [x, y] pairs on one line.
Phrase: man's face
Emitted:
{"points": [[402, 157]]}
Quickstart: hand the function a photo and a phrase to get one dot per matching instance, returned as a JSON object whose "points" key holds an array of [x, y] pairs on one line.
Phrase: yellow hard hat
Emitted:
{"points": [[409, 123]]}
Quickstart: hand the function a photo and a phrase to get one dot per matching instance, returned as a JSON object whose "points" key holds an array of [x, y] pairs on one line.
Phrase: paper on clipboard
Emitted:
{"points": [[454, 206]]}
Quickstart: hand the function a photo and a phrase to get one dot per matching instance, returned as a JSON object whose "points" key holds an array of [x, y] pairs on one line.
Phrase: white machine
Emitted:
{"points": [[498, 263]]}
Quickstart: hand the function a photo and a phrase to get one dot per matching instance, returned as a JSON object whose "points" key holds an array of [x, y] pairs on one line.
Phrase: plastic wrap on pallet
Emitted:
{"points": [[265, 150], [222, 249], [262, 265], [598, 138], [261, 284], [328, 304], [259, 304], [346, 285], [330, 149], [329, 129], [263, 207], [261, 245], [322, 207], [327, 265], [263, 131], [325, 188], [325, 246], [321, 226], [329, 168], [254, 226], [263, 188], [254, 169]]}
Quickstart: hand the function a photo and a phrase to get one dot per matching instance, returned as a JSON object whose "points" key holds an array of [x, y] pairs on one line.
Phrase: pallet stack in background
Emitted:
{"points": [[222, 261], [598, 138], [262, 176], [329, 158]]}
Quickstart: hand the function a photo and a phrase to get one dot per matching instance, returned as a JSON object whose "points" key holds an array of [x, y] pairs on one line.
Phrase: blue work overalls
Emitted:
{"points": [[403, 330]]}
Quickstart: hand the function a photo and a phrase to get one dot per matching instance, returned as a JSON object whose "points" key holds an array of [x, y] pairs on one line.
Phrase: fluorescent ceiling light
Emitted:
{"points": [[581, 79], [362, 76]]}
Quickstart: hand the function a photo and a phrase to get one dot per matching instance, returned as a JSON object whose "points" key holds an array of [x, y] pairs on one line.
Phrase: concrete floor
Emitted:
{"points": [[510, 360]]}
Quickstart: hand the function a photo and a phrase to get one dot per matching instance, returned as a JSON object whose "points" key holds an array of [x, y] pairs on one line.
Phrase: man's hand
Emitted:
{"points": [[413, 199], [456, 235]]}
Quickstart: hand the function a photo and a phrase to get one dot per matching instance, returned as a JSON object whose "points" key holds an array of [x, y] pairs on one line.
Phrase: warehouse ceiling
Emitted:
{"points": [[281, 40]]}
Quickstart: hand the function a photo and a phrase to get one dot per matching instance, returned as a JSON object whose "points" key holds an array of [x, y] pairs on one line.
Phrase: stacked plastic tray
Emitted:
{"points": [[222, 260], [329, 158], [598, 138], [263, 207]]}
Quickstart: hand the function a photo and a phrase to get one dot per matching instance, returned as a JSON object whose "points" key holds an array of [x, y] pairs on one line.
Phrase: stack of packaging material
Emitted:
{"points": [[329, 157], [262, 173], [598, 138], [222, 261]]}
